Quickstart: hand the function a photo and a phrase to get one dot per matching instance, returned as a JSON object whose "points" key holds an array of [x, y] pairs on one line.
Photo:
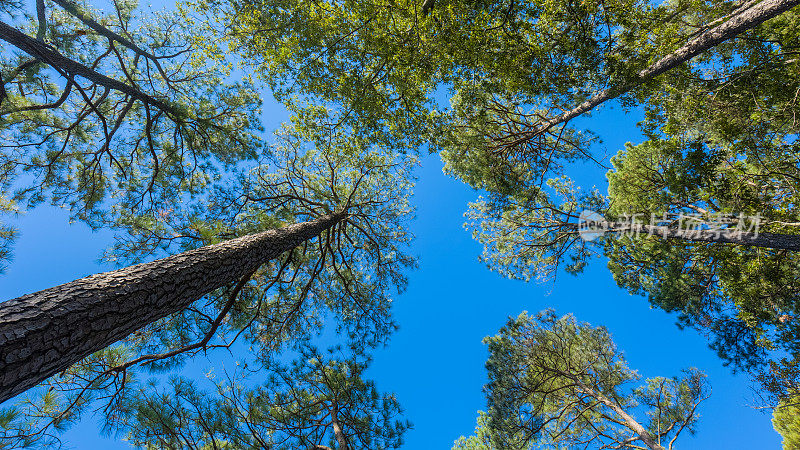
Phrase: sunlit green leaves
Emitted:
{"points": [[298, 406], [786, 420], [71, 142], [558, 383]]}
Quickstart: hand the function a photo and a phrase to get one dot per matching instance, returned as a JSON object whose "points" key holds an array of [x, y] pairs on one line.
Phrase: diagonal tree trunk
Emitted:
{"points": [[76, 11], [747, 18], [45, 332], [630, 422], [48, 55]]}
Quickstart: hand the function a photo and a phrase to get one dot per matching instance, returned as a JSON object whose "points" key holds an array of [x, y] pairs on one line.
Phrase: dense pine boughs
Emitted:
{"points": [[558, 383], [316, 402]]}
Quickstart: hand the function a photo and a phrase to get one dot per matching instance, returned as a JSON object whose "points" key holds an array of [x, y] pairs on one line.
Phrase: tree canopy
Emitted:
{"points": [[132, 120], [558, 383], [317, 402], [340, 281], [787, 422], [720, 142], [113, 112]]}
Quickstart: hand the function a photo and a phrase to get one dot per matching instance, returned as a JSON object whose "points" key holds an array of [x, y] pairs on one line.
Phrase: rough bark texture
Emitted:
{"points": [[45, 332], [50, 56], [739, 23]]}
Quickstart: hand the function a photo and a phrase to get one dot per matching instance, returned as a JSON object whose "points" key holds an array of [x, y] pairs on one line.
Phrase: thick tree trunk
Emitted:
{"points": [[737, 24], [45, 332], [747, 239]]}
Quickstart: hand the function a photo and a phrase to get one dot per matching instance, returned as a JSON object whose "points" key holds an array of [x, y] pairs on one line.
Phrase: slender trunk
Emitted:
{"points": [[630, 422], [739, 23], [41, 18], [75, 10], [723, 236], [52, 57], [45, 332], [337, 429]]}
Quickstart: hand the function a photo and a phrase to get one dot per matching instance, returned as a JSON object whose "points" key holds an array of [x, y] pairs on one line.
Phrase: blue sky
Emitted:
{"points": [[435, 362]]}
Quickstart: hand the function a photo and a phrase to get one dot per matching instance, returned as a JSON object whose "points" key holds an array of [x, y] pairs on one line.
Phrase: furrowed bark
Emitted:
{"points": [[50, 56], [739, 23], [45, 332]]}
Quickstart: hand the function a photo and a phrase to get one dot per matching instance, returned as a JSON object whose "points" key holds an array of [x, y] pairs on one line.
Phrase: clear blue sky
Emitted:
{"points": [[435, 362]]}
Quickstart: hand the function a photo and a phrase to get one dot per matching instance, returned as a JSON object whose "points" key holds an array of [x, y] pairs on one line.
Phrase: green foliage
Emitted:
{"points": [[744, 298], [350, 55], [339, 283], [721, 139], [76, 143], [558, 383], [529, 234], [481, 440], [503, 62], [7, 233], [296, 407], [786, 420]]}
